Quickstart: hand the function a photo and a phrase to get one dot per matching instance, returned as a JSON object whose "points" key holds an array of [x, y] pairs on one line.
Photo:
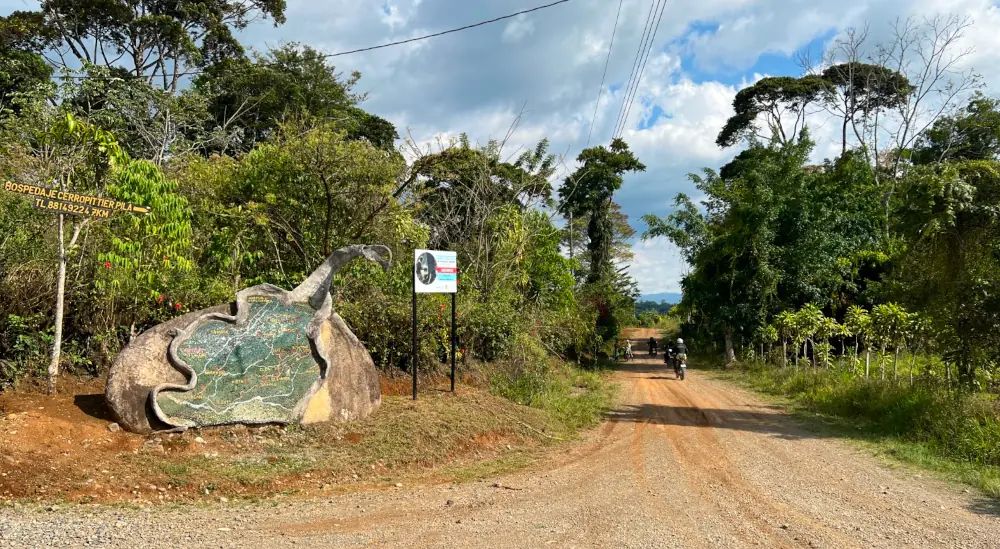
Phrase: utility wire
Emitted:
{"points": [[600, 90], [643, 69], [643, 52], [635, 65], [425, 37]]}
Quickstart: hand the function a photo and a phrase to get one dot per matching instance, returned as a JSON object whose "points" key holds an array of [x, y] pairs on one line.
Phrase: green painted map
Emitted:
{"points": [[256, 372]]}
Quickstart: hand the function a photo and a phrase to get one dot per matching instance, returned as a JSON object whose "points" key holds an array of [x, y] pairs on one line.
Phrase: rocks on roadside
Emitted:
{"points": [[114, 427]]}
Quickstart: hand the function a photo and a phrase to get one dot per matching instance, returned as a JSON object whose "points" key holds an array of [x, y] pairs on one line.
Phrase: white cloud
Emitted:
{"points": [[518, 28], [659, 265]]}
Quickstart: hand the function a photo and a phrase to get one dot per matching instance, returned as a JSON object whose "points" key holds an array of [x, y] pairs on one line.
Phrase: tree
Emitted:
{"points": [[251, 98], [145, 255], [859, 323], [299, 197], [147, 39], [784, 324], [73, 156], [971, 134], [860, 91], [589, 193], [949, 214], [22, 66], [808, 324], [889, 325], [773, 98]]}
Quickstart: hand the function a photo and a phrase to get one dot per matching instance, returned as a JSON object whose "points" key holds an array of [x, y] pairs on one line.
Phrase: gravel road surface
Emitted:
{"points": [[693, 463]]}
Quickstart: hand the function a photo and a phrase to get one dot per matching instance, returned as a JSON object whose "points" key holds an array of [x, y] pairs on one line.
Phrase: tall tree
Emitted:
{"points": [[149, 39], [588, 193], [22, 66], [860, 91], [251, 98], [774, 99]]}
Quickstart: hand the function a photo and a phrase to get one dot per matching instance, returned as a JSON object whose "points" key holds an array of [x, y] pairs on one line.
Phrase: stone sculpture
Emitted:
{"points": [[272, 356]]}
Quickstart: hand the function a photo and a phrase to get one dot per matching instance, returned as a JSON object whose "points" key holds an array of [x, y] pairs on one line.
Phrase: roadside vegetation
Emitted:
{"points": [[864, 287], [255, 167], [254, 172]]}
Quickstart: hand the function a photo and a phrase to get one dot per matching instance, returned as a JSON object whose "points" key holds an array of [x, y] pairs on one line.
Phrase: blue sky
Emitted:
{"points": [[551, 62]]}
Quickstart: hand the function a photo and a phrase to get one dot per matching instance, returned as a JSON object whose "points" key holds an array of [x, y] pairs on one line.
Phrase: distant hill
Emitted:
{"points": [[668, 297]]}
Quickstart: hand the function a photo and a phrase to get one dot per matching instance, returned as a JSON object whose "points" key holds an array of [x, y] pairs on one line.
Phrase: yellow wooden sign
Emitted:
{"points": [[54, 200]]}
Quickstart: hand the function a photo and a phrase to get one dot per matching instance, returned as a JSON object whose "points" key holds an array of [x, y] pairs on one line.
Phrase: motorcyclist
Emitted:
{"points": [[628, 349], [652, 345], [678, 352]]}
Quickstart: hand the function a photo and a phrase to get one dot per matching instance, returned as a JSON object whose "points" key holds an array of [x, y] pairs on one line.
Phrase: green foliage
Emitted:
{"points": [[972, 134], [771, 97], [576, 397], [253, 98], [589, 193], [963, 428], [149, 39], [147, 256]]}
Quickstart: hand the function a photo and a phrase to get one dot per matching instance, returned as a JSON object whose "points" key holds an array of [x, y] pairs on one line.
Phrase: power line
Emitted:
{"points": [[600, 90], [635, 65], [643, 69], [522, 12], [407, 41], [641, 53]]}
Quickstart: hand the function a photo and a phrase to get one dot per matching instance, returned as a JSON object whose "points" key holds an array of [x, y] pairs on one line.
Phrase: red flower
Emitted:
{"points": [[159, 299], [177, 306], [442, 305], [107, 264], [165, 258]]}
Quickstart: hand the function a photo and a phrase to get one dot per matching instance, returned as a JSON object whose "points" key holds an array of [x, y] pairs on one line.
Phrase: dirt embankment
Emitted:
{"points": [[64, 448], [679, 464]]}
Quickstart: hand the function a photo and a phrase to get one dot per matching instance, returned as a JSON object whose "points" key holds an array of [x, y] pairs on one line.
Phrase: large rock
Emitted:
{"points": [[272, 356]]}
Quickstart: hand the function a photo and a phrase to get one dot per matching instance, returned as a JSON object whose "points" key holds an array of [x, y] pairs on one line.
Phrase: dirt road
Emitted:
{"points": [[679, 464]]}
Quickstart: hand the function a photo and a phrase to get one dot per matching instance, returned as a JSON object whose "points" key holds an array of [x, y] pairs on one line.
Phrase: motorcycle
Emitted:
{"points": [[680, 366]]}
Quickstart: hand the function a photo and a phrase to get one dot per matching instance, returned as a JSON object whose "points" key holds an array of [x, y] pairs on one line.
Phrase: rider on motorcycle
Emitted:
{"points": [[628, 349], [652, 345], [678, 353]]}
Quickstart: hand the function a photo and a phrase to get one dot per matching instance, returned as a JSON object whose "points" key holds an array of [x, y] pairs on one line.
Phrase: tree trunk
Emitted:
{"points": [[854, 364], [730, 353], [60, 298], [913, 365], [868, 361], [843, 136], [881, 362], [895, 364], [784, 353], [947, 374]]}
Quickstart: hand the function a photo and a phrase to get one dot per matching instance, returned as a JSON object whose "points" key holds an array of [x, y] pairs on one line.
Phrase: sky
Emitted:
{"points": [[548, 66]]}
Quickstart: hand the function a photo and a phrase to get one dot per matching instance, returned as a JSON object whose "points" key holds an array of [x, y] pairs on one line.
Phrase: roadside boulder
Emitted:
{"points": [[271, 356]]}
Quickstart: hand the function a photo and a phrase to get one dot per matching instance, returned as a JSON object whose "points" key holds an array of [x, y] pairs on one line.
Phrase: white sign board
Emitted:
{"points": [[435, 272]]}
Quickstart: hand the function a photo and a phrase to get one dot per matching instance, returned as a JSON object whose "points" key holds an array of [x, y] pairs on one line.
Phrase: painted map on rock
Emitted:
{"points": [[257, 371]]}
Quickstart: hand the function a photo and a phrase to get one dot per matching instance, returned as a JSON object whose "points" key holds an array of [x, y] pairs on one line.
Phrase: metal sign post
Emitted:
{"points": [[434, 272]]}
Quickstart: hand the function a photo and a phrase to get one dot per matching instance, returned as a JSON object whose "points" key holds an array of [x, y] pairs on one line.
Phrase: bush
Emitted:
{"points": [[528, 376], [960, 426]]}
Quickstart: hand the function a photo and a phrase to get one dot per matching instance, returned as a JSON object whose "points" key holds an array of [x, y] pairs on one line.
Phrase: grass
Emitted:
{"points": [[574, 398], [954, 435]]}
